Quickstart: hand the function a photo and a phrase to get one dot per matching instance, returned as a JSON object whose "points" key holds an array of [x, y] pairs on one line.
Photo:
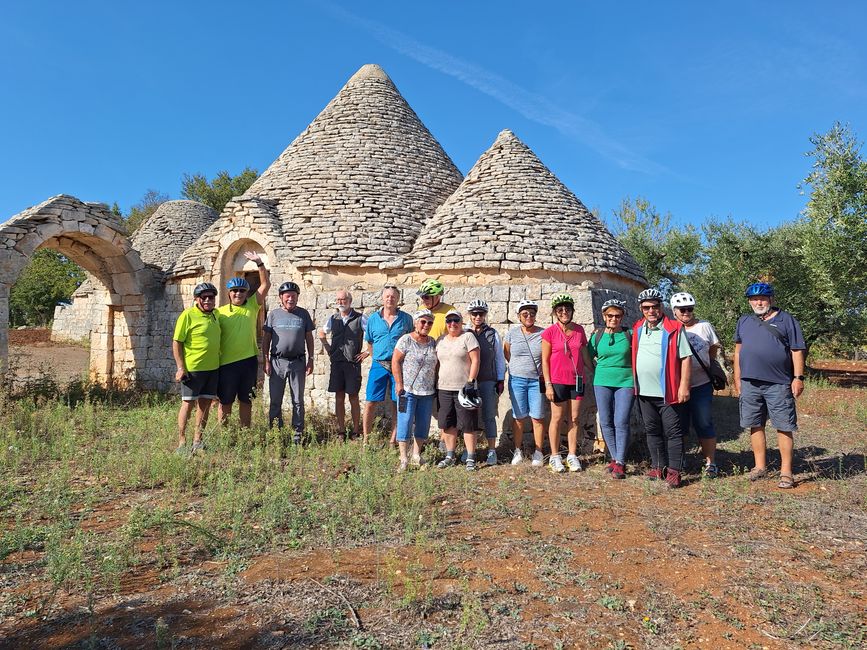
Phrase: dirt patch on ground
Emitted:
{"points": [[32, 356], [844, 373]]}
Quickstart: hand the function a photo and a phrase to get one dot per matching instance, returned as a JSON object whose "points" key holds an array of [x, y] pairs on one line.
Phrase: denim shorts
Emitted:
{"points": [[762, 399], [526, 398]]}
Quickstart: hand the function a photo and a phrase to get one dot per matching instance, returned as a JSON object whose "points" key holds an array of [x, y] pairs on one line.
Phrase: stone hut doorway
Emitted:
{"points": [[233, 264], [92, 237]]}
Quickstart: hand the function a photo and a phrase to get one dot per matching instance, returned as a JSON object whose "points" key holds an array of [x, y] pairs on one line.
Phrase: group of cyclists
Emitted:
{"points": [[436, 363]]}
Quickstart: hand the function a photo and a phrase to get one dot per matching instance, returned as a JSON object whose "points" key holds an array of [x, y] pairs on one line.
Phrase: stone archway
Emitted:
{"points": [[93, 238]]}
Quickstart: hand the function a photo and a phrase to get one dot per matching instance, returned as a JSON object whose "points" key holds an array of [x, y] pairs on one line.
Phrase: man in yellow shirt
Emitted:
{"points": [[430, 294], [239, 350], [196, 349]]}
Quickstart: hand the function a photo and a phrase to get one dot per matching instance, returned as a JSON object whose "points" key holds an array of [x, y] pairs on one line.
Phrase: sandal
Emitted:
{"points": [[757, 473], [787, 482]]}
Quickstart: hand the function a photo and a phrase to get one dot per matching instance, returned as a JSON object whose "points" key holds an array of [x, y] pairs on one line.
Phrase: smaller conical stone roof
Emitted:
{"points": [[511, 212], [355, 188], [171, 230]]}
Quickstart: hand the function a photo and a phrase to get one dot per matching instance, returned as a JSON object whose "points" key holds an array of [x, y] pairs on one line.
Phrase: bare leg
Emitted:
{"points": [[708, 449], [538, 433], [402, 446], [224, 411], [469, 441], [786, 442], [574, 426], [450, 437], [758, 442], [183, 417], [340, 412], [355, 411], [518, 432], [369, 409], [393, 440], [417, 447], [202, 410], [245, 414], [557, 413]]}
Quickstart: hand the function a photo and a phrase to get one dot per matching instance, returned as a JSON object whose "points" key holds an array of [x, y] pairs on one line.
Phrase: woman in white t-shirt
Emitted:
{"points": [[458, 355], [705, 344], [414, 366]]}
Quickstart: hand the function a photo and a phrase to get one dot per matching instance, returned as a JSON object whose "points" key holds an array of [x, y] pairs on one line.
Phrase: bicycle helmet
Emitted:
{"points": [[759, 289], [431, 288], [286, 287], [527, 304], [619, 304], [477, 306], [682, 299], [468, 397], [238, 283], [203, 288], [562, 299], [650, 294]]}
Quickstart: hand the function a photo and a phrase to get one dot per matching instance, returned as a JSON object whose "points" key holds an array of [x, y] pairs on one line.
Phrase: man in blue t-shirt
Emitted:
{"points": [[770, 355], [384, 327]]}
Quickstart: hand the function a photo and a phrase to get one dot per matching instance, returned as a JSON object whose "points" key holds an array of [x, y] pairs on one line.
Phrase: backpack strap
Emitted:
{"points": [[773, 330]]}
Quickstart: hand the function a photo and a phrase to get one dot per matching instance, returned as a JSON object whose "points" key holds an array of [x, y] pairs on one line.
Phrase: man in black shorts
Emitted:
{"points": [[239, 349], [347, 329], [196, 349]]}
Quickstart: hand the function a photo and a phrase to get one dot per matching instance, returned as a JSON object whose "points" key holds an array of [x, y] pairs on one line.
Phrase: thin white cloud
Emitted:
{"points": [[532, 106]]}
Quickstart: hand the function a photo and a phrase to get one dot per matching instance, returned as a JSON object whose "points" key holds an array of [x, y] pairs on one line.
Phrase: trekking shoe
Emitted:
{"points": [[573, 463], [711, 470], [538, 459], [198, 447], [517, 457], [654, 474], [672, 478], [555, 464], [471, 464], [618, 472], [448, 461], [492, 457]]}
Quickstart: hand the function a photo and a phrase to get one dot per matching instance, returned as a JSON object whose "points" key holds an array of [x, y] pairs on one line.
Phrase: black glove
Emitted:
{"points": [[470, 390]]}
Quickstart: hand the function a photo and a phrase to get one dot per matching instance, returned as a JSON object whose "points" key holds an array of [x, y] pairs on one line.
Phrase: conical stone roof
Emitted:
{"points": [[171, 230], [356, 187], [511, 212]]}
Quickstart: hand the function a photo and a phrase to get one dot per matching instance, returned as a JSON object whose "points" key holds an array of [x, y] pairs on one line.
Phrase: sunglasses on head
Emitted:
{"points": [[389, 286], [453, 320]]}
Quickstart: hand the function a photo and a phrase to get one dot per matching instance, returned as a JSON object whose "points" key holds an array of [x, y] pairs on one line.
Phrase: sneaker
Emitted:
{"points": [[654, 474], [492, 457], [296, 439], [618, 471], [182, 450], [448, 461], [416, 460], [402, 467], [538, 459], [517, 457], [573, 463], [610, 466], [672, 478], [711, 470], [471, 464], [555, 464], [198, 447]]}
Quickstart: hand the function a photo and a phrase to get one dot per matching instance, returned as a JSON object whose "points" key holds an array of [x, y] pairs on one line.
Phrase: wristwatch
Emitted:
{"points": [[800, 377]]}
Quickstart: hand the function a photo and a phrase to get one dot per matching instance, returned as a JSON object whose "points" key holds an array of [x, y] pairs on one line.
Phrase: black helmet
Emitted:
{"points": [[286, 287], [204, 287]]}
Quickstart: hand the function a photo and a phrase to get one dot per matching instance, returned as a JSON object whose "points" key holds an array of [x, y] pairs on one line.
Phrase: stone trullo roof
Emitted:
{"points": [[171, 230], [512, 213], [356, 187]]}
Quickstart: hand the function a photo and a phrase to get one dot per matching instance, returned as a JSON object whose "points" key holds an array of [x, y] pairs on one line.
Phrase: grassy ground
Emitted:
{"points": [[107, 539]]}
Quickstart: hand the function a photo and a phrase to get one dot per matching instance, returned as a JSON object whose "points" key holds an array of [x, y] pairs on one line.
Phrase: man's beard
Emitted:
{"points": [[761, 311]]}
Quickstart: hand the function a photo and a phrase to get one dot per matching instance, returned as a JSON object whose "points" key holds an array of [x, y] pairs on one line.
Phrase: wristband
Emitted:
{"points": [[261, 264], [799, 377]]}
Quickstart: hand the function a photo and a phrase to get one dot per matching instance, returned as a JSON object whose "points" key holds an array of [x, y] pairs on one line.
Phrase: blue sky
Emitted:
{"points": [[705, 109]]}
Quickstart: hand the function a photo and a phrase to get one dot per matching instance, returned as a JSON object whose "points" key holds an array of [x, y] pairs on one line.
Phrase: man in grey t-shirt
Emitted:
{"points": [[287, 337]]}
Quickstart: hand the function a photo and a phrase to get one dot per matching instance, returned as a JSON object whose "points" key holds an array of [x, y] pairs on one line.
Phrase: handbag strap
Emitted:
{"points": [[773, 330], [530, 350], [698, 358]]}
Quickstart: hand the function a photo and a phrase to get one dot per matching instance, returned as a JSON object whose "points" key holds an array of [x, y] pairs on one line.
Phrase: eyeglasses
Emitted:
{"points": [[686, 309], [425, 323], [452, 321], [650, 307]]}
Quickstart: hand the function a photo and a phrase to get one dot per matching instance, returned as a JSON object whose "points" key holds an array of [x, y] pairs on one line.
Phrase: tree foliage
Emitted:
{"points": [[141, 211], [47, 279], [834, 231], [666, 253], [218, 192]]}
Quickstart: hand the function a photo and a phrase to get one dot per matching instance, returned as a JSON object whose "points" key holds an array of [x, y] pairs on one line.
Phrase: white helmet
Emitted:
{"points": [[468, 397], [477, 305], [527, 304], [682, 299]]}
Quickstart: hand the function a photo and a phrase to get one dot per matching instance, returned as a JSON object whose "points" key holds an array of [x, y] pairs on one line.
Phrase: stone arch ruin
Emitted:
{"points": [[92, 237]]}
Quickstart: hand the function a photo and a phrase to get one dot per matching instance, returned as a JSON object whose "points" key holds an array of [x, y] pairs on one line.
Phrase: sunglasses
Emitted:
{"points": [[686, 309], [650, 308], [452, 321], [528, 314], [237, 291], [613, 315], [208, 297], [425, 323], [477, 313], [389, 286]]}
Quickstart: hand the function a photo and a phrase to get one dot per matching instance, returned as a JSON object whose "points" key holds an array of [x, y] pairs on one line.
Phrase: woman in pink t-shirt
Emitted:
{"points": [[564, 353]]}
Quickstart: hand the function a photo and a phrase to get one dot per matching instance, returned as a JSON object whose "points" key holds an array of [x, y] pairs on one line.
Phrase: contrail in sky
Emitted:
{"points": [[531, 105]]}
